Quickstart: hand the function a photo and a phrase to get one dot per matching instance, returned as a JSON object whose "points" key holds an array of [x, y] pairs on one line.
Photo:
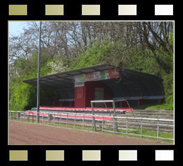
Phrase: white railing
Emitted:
{"points": [[143, 127]]}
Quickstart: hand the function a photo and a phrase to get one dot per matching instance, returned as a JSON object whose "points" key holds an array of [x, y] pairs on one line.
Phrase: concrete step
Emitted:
{"points": [[156, 111], [148, 116]]}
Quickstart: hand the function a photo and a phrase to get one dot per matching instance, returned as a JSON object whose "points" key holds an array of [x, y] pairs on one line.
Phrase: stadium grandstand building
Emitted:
{"points": [[78, 87]]}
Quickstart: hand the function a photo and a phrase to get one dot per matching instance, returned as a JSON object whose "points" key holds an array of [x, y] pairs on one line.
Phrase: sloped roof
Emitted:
{"points": [[130, 85]]}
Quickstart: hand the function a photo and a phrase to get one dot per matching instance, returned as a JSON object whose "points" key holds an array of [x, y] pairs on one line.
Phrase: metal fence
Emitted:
{"points": [[142, 127]]}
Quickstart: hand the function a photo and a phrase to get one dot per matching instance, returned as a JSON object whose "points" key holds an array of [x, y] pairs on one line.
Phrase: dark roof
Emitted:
{"points": [[67, 76], [130, 85]]}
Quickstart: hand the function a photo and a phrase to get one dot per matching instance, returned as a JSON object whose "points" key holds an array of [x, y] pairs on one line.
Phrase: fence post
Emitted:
{"points": [[29, 117], [114, 115], [67, 119], [21, 117], [60, 119], [54, 119], [115, 125], [42, 118], [94, 126], [141, 126], [102, 123], [24, 116], [49, 117], [18, 115], [83, 121], [32, 117], [75, 121], [158, 129], [126, 125]]}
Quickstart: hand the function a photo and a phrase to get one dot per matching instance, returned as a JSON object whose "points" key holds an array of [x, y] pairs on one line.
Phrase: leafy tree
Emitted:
{"points": [[23, 96]]}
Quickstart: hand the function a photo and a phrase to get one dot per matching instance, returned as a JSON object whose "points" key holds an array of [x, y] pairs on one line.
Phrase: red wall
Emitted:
{"points": [[90, 92], [83, 95], [80, 99]]}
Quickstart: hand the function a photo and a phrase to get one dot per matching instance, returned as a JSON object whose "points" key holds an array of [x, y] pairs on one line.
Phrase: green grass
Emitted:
{"points": [[156, 106], [146, 132], [161, 106]]}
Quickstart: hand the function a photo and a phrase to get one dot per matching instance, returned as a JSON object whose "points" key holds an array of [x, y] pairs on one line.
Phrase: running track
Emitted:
{"points": [[21, 133]]}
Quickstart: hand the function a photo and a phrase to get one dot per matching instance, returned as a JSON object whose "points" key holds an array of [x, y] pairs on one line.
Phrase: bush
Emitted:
{"points": [[168, 88]]}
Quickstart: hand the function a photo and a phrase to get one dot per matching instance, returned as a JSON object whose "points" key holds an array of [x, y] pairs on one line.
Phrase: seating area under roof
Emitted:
{"points": [[131, 85]]}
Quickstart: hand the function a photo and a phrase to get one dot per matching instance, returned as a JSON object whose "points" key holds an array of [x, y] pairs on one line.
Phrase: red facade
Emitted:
{"points": [[83, 95]]}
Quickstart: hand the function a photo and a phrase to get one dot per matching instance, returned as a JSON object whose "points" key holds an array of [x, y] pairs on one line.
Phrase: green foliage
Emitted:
{"points": [[171, 38], [168, 78], [143, 61], [19, 94], [166, 106], [100, 53], [168, 87], [22, 96]]}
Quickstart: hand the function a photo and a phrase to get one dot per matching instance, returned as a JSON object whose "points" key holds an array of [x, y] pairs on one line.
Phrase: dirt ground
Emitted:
{"points": [[21, 133]]}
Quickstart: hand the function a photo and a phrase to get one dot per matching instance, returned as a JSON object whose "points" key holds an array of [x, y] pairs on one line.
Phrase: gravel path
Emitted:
{"points": [[21, 133]]}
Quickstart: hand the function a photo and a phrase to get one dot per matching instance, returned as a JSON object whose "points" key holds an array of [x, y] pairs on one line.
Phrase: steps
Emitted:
{"points": [[160, 114], [165, 126]]}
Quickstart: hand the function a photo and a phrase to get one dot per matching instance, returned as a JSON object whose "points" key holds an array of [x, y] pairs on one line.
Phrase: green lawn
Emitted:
{"points": [[156, 106]]}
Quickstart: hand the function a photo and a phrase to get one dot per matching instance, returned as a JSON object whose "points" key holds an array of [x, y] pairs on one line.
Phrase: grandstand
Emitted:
{"points": [[75, 89]]}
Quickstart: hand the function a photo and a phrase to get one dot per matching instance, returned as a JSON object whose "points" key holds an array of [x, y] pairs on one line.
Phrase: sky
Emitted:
{"points": [[16, 27]]}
